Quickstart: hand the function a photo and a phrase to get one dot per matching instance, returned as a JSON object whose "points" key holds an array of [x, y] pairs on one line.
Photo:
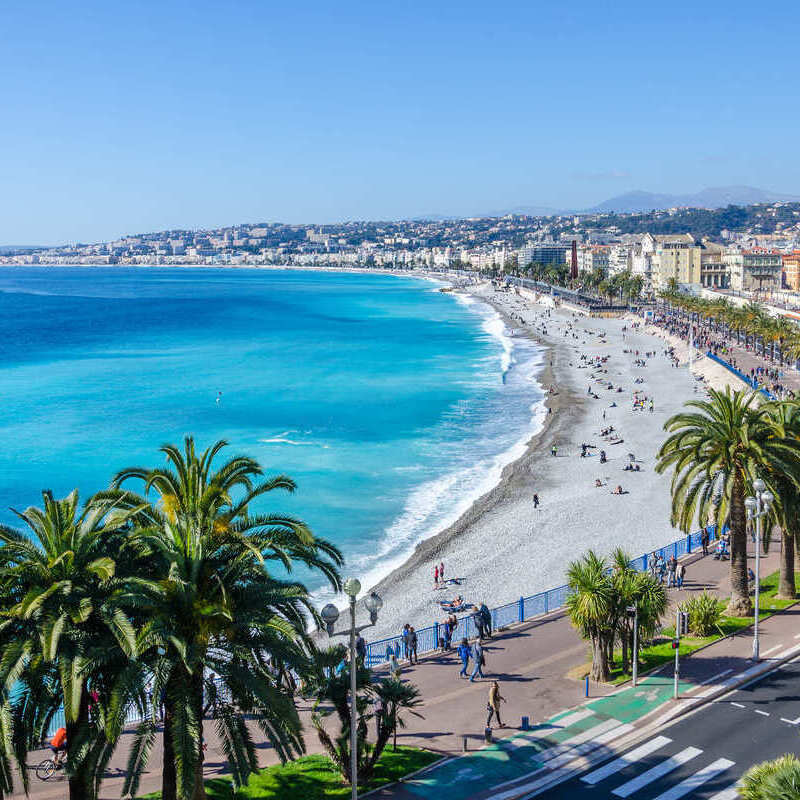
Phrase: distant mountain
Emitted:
{"points": [[717, 197]]}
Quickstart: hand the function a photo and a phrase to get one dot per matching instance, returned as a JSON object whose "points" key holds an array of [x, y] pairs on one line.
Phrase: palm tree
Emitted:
{"points": [[783, 419], [772, 780], [66, 627], [218, 614], [590, 604], [715, 453], [396, 697]]}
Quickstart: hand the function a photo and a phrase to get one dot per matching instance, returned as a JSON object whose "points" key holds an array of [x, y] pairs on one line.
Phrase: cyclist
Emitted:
{"points": [[58, 744]]}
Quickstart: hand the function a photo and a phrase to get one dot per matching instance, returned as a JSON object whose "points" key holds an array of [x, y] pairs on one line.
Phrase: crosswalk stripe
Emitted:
{"points": [[584, 736], [731, 793], [657, 771], [698, 779], [571, 719], [591, 744], [623, 761]]}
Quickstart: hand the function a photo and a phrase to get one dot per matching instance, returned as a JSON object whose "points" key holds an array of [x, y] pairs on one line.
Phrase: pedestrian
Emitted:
{"points": [[477, 657], [394, 667], [477, 618], [681, 574], [441, 571], [704, 541], [493, 706], [554, 451], [413, 643], [406, 641], [463, 654], [436, 577], [487, 619], [536, 501], [361, 649], [652, 563], [672, 566]]}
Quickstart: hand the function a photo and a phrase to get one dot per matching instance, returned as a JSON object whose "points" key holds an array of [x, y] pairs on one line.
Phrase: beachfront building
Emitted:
{"points": [[620, 259], [791, 270], [714, 272], [544, 254], [673, 257], [593, 257], [754, 270]]}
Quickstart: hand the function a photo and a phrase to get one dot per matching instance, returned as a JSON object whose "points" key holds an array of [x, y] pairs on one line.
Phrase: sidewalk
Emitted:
{"points": [[592, 729], [531, 662]]}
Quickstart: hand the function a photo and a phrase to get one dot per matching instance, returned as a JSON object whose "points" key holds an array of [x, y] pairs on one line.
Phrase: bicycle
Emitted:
{"points": [[47, 768]]}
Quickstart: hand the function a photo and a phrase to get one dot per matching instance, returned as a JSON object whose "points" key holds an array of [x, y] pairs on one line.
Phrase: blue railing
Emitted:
{"points": [[746, 378], [524, 609]]}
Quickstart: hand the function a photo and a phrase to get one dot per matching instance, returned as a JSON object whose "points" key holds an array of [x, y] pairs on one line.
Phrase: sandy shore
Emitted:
{"points": [[503, 546]]}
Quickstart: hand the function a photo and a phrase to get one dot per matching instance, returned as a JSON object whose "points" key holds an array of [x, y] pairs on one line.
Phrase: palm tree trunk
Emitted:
{"points": [[169, 777], [739, 605], [786, 585], [600, 672], [81, 776], [199, 783]]}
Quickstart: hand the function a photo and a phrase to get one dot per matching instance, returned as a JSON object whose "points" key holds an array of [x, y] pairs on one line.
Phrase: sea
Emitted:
{"points": [[393, 405]]}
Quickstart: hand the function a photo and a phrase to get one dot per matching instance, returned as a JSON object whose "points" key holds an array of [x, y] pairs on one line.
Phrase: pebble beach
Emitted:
{"points": [[505, 546]]}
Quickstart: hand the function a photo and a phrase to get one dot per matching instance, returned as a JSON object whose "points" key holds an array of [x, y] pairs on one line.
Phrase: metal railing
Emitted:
{"points": [[522, 610], [746, 378]]}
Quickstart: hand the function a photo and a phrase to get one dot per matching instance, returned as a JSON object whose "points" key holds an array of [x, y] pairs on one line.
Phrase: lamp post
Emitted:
{"points": [[634, 612], [757, 508], [330, 614]]}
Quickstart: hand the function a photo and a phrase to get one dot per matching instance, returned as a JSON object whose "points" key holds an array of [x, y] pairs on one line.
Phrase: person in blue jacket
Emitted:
{"points": [[463, 654]]}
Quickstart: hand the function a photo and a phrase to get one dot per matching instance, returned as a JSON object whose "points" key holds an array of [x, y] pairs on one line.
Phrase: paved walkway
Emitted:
{"points": [[531, 662]]}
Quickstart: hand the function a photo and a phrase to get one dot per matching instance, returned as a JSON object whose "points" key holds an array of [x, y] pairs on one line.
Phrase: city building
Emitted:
{"points": [[791, 270], [754, 270]]}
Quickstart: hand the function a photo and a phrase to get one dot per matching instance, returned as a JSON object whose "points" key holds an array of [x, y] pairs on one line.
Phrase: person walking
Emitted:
{"points": [[487, 619], [493, 706], [478, 658], [554, 451], [672, 566], [681, 574], [407, 641], [477, 619], [436, 577], [412, 638], [463, 654], [536, 501], [361, 650], [704, 541], [441, 571], [394, 667]]}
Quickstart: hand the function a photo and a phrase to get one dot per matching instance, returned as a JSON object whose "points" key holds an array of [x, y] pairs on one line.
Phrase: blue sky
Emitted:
{"points": [[127, 117]]}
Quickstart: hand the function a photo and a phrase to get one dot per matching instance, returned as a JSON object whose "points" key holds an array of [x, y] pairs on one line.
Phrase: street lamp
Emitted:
{"points": [[330, 614], [757, 508]]}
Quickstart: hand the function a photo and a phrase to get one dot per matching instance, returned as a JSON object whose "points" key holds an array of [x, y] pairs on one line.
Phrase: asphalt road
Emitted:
{"points": [[703, 755]]}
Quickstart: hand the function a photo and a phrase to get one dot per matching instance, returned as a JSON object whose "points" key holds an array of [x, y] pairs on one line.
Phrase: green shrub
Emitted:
{"points": [[772, 780], [704, 612]]}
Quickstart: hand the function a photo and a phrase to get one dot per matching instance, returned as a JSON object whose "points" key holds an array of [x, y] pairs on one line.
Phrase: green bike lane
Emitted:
{"points": [[545, 745]]}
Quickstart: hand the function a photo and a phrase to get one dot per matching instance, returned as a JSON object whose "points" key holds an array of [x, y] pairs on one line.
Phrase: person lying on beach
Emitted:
{"points": [[618, 490], [455, 604], [598, 483]]}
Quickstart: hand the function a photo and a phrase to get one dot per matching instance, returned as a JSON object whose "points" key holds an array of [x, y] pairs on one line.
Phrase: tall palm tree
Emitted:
{"points": [[715, 453], [783, 419], [218, 613], [66, 627], [590, 604]]}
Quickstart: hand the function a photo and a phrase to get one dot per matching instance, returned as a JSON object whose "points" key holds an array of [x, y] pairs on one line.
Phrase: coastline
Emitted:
{"points": [[503, 545]]}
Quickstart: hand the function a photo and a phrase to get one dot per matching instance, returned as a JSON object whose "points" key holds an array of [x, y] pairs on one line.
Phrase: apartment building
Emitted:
{"points": [[713, 269], [753, 270], [791, 270], [673, 257]]}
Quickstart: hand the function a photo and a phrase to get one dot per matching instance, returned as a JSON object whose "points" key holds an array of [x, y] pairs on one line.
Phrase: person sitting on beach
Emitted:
{"points": [[598, 483], [618, 490]]}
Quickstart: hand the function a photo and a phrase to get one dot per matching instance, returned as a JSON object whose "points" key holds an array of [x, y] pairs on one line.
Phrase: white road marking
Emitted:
{"points": [[738, 705], [571, 719], [791, 721], [771, 650], [580, 738], [588, 746], [698, 779], [624, 761], [763, 713], [714, 677], [656, 772], [731, 793]]}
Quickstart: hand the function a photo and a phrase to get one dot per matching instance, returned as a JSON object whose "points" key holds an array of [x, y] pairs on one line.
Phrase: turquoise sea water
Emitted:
{"points": [[391, 404]]}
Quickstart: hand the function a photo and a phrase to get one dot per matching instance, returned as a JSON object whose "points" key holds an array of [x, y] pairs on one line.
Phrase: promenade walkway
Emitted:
{"points": [[531, 662]]}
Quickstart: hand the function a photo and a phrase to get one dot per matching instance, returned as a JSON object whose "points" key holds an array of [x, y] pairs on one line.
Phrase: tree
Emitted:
{"points": [[218, 615], [772, 780], [385, 701], [715, 453], [66, 627], [783, 420], [589, 605]]}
